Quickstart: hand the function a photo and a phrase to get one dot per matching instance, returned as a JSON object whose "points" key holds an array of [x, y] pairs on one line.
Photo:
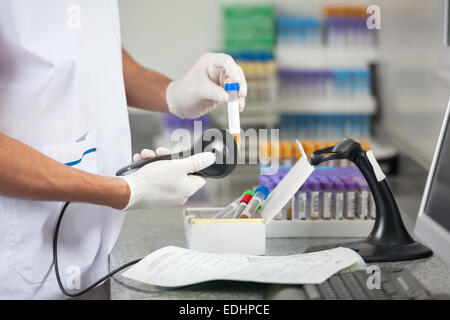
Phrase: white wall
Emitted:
{"points": [[167, 36], [170, 35], [413, 96]]}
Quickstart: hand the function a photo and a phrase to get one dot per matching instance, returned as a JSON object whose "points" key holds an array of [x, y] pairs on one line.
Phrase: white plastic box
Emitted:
{"points": [[248, 236]]}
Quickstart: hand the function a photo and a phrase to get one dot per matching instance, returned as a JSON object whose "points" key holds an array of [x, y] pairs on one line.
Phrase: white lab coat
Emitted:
{"points": [[61, 92]]}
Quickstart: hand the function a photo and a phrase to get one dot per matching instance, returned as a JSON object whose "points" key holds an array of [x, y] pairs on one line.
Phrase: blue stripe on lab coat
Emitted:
{"points": [[74, 163]]}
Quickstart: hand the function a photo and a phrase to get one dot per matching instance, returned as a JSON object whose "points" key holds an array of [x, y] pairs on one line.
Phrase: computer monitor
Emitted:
{"points": [[433, 222]]}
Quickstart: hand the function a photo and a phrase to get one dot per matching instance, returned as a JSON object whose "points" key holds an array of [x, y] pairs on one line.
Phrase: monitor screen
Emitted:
{"points": [[437, 206]]}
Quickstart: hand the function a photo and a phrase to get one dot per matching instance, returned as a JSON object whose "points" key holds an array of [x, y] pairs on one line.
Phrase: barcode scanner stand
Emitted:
{"points": [[389, 240]]}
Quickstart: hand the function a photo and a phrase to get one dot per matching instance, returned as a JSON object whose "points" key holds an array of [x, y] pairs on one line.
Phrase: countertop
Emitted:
{"points": [[145, 231]]}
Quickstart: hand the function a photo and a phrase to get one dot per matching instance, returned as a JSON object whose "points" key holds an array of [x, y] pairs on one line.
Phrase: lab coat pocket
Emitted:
{"points": [[31, 223]]}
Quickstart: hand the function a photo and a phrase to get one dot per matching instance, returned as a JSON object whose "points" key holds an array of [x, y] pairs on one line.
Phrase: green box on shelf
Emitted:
{"points": [[248, 27], [243, 11], [235, 30]]}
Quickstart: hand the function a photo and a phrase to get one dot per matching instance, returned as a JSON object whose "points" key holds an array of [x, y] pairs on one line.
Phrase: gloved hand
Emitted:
{"points": [[167, 182], [201, 89], [147, 153]]}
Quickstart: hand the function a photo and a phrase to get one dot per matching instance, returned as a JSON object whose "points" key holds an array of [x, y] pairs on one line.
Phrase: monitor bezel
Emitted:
{"points": [[426, 229], [444, 49]]}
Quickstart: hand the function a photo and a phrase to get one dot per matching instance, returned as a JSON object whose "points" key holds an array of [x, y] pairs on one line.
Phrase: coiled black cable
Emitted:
{"points": [[55, 259]]}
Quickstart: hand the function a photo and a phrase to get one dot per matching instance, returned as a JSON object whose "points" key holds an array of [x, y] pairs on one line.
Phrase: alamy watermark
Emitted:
{"points": [[374, 19], [374, 278], [73, 281], [73, 20]]}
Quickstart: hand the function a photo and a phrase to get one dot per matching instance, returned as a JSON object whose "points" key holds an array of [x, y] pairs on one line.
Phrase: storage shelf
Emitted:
{"points": [[323, 105], [297, 57]]}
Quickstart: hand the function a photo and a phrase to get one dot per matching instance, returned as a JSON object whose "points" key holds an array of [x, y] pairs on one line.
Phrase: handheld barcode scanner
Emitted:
{"points": [[218, 141], [389, 240]]}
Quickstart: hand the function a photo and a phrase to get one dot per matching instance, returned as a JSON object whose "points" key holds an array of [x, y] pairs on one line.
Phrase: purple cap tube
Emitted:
{"points": [[314, 185]]}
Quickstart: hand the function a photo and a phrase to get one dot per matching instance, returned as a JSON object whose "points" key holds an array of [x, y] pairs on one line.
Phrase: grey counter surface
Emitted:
{"points": [[145, 231]]}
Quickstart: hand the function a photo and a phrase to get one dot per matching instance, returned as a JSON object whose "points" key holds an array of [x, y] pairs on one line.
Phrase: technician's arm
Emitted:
{"points": [[199, 91], [145, 89], [27, 173]]}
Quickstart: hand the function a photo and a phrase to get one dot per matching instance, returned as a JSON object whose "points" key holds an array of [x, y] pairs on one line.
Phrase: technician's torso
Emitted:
{"points": [[61, 92]]}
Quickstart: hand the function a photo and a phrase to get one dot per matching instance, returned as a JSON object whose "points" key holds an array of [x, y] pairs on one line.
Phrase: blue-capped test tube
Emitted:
{"points": [[261, 194], [234, 124]]}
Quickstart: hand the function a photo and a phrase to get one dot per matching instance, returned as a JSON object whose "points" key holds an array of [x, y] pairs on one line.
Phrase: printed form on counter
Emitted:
{"points": [[176, 267]]}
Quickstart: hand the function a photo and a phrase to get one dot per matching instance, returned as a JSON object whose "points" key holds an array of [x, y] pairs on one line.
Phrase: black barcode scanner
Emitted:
{"points": [[218, 141], [389, 240]]}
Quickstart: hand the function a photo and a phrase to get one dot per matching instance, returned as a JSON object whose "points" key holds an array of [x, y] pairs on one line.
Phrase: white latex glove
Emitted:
{"points": [[167, 182], [201, 89], [147, 153]]}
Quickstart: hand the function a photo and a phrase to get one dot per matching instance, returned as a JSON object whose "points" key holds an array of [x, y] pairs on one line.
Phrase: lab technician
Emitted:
{"points": [[64, 87]]}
